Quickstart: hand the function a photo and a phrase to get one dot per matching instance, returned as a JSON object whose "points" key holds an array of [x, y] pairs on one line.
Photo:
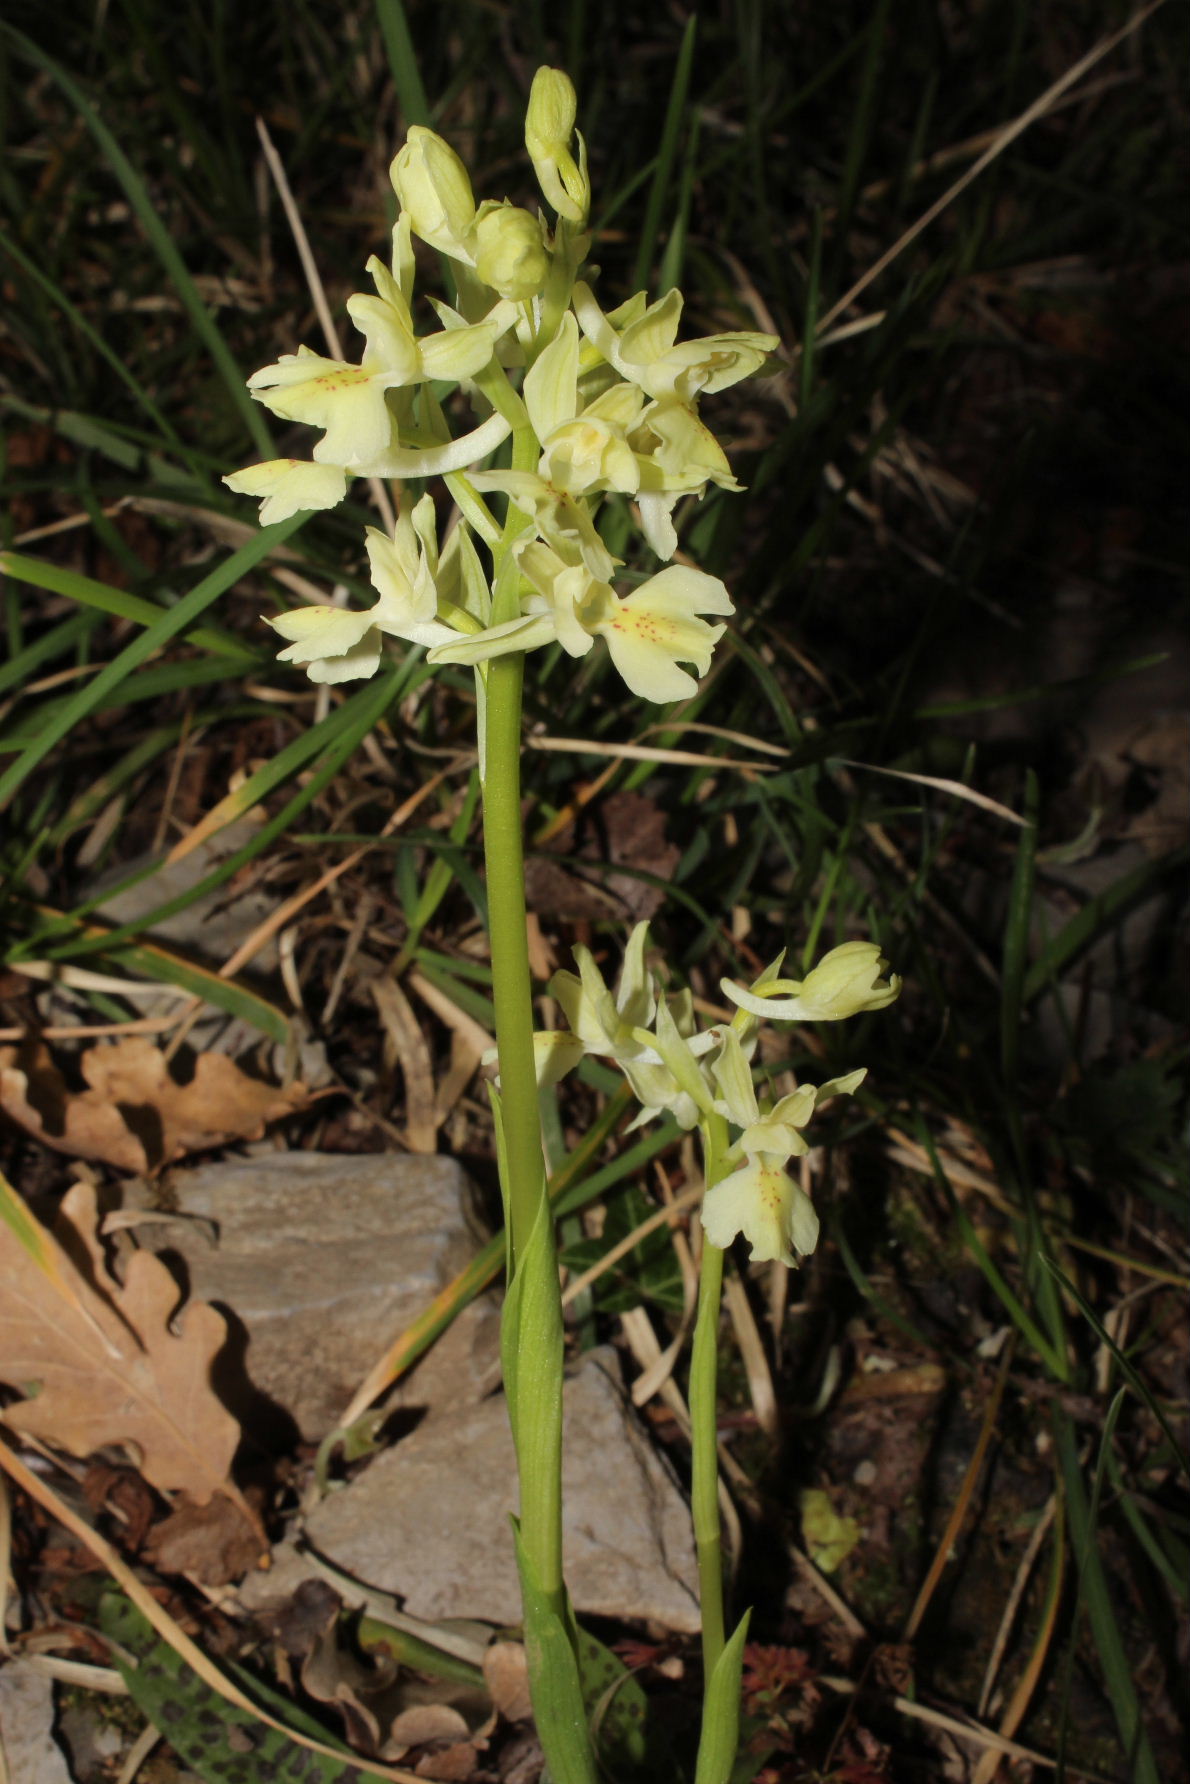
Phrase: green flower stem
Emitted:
{"points": [[535, 1387], [511, 984], [704, 1368]]}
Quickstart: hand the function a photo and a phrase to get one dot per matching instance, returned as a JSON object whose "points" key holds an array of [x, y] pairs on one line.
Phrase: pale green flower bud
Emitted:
{"points": [[435, 191], [549, 125], [510, 251], [845, 981]]}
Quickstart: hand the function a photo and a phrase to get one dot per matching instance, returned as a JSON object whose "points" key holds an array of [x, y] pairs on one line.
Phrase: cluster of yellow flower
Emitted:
{"points": [[694, 1074], [597, 402]]}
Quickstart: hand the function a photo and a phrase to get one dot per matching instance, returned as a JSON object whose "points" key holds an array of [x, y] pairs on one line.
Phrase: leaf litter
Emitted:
{"points": [[103, 1361], [134, 1114]]}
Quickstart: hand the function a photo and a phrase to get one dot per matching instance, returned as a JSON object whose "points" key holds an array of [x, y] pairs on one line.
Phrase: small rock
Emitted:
{"points": [[30, 1751], [213, 927], [428, 1519], [320, 1262]]}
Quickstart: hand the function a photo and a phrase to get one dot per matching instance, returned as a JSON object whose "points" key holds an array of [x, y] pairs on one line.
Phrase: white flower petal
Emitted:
{"points": [[436, 461], [331, 643], [551, 383], [459, 353], [288, 485], [348, 401], [656, 523], [320, 631], [554, 1054], [390, 344], [761, 1201], [651, 630], [527, 633], [733, 1075], [408, 603]]}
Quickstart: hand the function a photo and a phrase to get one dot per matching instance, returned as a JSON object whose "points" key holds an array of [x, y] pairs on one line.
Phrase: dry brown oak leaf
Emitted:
{"points": [[134, 1114], [101, 1363]]}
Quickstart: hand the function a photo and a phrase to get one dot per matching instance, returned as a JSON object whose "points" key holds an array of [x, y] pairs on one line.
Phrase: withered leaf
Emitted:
{"points": [[134, 1114], [212, 1543], [100, 1363], [506, 1674]]}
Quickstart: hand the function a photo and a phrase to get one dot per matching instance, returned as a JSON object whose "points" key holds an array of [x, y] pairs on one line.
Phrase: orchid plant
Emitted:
{"points": [[580, 403]]}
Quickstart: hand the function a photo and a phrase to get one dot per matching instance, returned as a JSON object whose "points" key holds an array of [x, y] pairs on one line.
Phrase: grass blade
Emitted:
{"points": [[138, 197], [105, 599], [167, 626], [671, 131]]}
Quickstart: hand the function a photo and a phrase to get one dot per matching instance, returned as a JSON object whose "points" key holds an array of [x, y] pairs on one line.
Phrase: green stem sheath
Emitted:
{"points": [[537, 1421], [526, 1198], [511, 984]]}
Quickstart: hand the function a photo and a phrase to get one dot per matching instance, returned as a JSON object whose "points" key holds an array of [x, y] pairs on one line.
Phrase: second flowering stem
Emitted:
{"points": [[704, 1372]]}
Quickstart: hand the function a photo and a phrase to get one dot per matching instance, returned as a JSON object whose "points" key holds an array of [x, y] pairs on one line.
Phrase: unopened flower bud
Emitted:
{"points": [[845, 981], [549, 125], [435, 191], [510, 252]]}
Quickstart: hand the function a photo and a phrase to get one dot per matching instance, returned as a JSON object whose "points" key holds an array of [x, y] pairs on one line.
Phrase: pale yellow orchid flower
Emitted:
{"points": [[584, 448], [564, 522], [759, 1198], [350, 401], [657, 627], [605, 1022], [845, 981], [404, 573], [647, 351], [659, 1065], [334, 644], [289, 485], [649, 633], [656, 451]]}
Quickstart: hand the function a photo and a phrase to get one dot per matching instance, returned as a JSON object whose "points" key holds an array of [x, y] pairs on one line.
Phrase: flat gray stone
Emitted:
{"points": [[321, 1260], [213, 927], [427, 1520], [32, 1754]]}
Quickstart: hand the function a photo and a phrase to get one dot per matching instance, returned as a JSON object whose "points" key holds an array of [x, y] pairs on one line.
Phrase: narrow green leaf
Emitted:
{"points": [[1175, 1569], [1011, 1302], [402, 62], [721, 1712], [90, 334], [1097, 916], [199, 981], [860, 131], [167, 626], [308, 743], [29, 1234], [1136, 1381], [66, 636], [223, 1743], [1095, 1594], [671, 133], [138, 197], [105, 599], [673, 261], [558, 1707]]}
